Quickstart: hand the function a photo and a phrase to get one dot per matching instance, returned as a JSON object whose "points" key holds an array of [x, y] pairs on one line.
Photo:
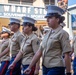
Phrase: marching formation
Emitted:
{"points": [[20, 52]]}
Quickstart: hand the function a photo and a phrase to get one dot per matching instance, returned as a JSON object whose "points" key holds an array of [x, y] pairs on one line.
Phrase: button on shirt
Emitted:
{"points": [[53, 46], [29, 47], [15, 43]]}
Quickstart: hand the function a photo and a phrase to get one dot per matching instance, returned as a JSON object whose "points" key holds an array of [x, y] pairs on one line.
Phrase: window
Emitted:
{"points": [[51, 2], [27, 2], [46, 2], [14, 1]]}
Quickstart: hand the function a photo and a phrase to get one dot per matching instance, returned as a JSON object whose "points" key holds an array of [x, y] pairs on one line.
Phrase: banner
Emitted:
{"points": [[73, 19], [12, 10], [63, 4]]}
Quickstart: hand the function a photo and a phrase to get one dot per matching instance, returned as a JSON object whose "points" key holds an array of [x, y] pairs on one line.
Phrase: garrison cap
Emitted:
{"points": [[14, 20], [53, 9]]}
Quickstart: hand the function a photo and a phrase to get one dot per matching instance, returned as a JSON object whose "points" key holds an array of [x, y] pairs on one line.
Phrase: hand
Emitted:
{"points": [[27, 71], [11, 66], [36, 72]]}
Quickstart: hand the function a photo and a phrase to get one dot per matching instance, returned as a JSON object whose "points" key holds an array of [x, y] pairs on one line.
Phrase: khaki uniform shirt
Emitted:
{"points": [[74, 45], [15, 43], [53, 45], [3, 46], [0, 46], [29, 47]]}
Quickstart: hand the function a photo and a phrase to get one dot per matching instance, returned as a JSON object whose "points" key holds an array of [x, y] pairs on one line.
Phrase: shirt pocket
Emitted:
{"points": [[14, 42], [52, 42], [28, 42], [27, 48]]}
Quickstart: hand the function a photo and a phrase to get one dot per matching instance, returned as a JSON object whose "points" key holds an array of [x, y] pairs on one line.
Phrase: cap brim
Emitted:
{"points": [[49, 15], [5, 32], [12, 23], [23, 24]]}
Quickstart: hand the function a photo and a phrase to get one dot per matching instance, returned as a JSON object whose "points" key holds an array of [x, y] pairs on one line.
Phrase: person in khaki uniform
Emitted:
{"points": [[74, 51], [29, 46], [55, 43], [5, 34], [14, 46]]}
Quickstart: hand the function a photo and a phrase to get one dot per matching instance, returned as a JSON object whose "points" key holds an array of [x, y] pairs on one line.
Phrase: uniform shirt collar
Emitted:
{"points": [[29, 36], [16, 33], [56, 30]]}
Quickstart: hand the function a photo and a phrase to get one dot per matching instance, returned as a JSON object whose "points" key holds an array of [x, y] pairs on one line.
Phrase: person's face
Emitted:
{"points": [[13, 27], [26, 29], [52, 21]]}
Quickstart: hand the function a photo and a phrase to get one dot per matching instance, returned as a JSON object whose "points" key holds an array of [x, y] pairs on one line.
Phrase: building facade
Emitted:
{"points": [[30, 8], [72, 19], [19, 8], [72, 16]]}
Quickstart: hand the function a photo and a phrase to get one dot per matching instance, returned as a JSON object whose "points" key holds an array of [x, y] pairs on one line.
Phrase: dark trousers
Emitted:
{"points": [[54, 71], [16, 70], [74, 66], [32, 71], [4, 67]]}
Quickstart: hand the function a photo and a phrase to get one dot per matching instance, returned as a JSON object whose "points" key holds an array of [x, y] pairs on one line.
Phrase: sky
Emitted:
{"points": [[71, 2]]}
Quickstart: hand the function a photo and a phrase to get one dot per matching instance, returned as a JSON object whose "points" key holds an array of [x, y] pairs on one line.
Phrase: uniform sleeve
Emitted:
{"points": [[9, 43], [22, 44], [65, 42], [5, 44], [40, 47], [35, 44], [73, 42]]}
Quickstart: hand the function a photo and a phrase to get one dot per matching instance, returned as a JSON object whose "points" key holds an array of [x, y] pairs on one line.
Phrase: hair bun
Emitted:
{"points": [[62, 18], [34, 29]]}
